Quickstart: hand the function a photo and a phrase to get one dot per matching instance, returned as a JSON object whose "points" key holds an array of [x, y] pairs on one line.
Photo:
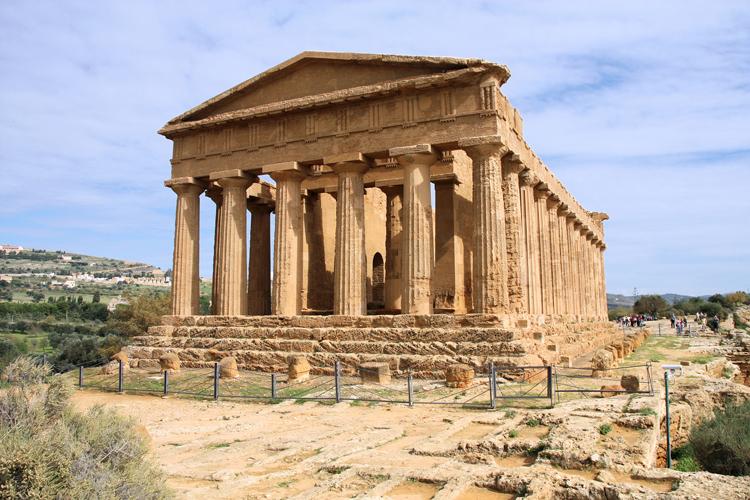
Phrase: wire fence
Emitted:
{"points": [[494, 386]]}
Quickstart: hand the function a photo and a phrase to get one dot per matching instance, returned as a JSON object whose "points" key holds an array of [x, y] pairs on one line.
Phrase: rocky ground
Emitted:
{"points": [[586, 448]]}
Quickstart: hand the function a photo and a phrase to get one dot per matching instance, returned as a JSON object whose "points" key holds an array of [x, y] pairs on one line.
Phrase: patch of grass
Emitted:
{"points": [[284, 484], [656, 357], [214, 446], [336, 469], [722, 445], [647, 411], [605, 429], [703, 359], [727, 372], [510, 413], [684, 458], [533, 422], [513, 434]]}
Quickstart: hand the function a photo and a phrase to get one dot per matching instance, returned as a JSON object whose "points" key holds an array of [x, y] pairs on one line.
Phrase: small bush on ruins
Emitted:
{"points": [[533, 422], [722, 445], [605, 429], [513, 433], [49, 450], [684, 459]]}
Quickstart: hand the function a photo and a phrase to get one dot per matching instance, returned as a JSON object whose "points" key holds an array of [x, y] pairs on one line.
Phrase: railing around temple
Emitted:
{"points": [[497, 386]]}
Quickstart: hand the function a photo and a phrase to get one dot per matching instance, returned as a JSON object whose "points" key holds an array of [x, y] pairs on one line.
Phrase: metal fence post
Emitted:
{"points": [[273, 386], [493, 387], [669, 437], [216, 381], [337, 381], [80, 376], [410, 389], [120, 384], [550, 392], [166, 383]]}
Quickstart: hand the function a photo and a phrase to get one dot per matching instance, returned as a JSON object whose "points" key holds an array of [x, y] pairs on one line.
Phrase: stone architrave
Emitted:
{"points": [[489, 271], [350, 266], [545, 259], [214, 192], [553, 202], [185, 277], [531, 236], [287, 259], [259, 269], [393, 246], [514, 247], [417, 260], [232, 258]]}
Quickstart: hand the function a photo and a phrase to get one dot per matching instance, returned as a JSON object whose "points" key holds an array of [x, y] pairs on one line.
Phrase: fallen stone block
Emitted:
{"points": [[375, 372], [228, 368], [298, 369], [459, 376], [630, 383], [608, 391], [169, 362]]}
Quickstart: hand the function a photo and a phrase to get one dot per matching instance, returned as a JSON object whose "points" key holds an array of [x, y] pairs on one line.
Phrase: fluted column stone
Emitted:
{"points": [[575, 308], [393, 246], [514, 247], [259, 269], [287, 261], [489, 271], [214, 192], [185, 276], [350, 266], [232, 261], [545, 258], [418, 258], [567, 300], [553, 202], [531, 237]]}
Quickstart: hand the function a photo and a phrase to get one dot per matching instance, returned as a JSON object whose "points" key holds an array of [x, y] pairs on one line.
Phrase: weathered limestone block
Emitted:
{"points": [[459, 376], [228, 368], [609, 391], [601, 362], [375, 372], [169, 362], [298, 369], [113, 367], [565, 362], [630, 383]]}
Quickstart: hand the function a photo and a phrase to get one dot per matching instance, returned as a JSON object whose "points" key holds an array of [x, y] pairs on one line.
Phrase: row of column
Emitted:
{"points": [[530, 254]]}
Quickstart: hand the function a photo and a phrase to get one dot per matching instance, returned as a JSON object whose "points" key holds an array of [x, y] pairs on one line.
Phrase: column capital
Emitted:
{"points": [[541, 192], [483, 145], [553, 201], [421, 154], [282, 175], [214, 192], [562, 210], [528, 178], [185, 185], [258, 207], [512, 164]]}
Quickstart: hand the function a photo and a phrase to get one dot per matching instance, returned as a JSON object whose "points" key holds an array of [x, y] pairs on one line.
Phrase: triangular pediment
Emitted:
{"points": [[313, 73]]}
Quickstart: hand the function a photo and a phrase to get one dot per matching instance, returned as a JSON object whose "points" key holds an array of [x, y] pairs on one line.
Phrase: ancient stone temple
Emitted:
{"points": [[411, 222]]}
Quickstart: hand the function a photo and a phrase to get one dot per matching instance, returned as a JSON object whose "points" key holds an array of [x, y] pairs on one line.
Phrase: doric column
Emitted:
{"points": [[417, 260], [591, 275], [581, 267], [567, 301], [514, 247], [603, 283], [575, 306], [259, 270], [286, 258], [586, 247], [214, 192], [393, 243], [596, 281], [489, 271], [531, 236], [350, 267], [232, 259], [553, 202], [545, 258], [185, 277]]}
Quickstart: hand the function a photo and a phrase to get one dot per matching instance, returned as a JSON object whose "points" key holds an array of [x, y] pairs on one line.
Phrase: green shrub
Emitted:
{"points": [[513, 433], [49, 450], [647, 411], [722, 445], [684, 458], [533, 422], [605, 429]]}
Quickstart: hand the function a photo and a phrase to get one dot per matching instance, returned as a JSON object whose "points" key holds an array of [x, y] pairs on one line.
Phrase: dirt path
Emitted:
{"points": [[237, 450]]}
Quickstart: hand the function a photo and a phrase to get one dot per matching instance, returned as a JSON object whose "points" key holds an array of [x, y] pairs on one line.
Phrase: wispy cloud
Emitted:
{"points": [[642, 108]]}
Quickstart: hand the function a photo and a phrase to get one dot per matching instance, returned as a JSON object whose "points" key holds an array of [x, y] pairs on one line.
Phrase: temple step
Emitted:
{"points": [[235, 344], [384, 334]]}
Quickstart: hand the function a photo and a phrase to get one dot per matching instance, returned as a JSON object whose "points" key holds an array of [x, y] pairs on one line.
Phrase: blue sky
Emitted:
{"points": [[641, 108]]}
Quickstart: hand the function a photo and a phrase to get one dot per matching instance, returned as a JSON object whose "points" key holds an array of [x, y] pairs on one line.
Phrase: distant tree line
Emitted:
{"points": [[720, 305]]}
